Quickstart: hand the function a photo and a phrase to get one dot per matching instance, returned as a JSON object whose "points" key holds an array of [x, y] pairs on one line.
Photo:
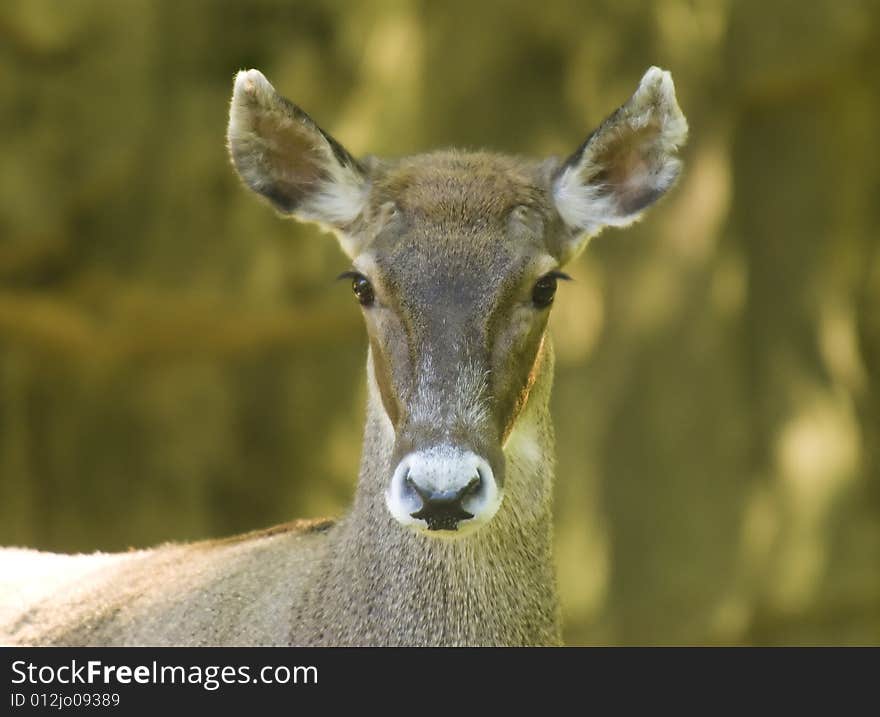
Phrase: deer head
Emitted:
{"points": [[455, 258]]}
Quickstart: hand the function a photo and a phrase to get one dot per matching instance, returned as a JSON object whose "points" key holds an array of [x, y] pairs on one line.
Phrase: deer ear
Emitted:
{"points": [[281, 153], [627, 163]]}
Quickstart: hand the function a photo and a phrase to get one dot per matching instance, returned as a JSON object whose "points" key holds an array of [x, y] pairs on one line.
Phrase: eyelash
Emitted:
{"points": [[557, 275]]}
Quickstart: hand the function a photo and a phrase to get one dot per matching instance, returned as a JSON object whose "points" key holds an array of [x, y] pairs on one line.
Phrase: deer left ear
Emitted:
{"points": [[626, 164]]}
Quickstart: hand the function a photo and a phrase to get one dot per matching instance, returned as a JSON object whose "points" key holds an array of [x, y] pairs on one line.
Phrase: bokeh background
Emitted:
{"points": [[176, 361]]}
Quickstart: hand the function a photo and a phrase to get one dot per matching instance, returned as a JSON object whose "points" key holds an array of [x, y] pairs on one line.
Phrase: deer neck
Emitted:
{"points": [[386, 584]]}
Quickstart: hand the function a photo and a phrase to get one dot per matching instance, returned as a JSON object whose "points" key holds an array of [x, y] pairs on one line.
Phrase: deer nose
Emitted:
{"points": [[443, 489], [443, 509]]}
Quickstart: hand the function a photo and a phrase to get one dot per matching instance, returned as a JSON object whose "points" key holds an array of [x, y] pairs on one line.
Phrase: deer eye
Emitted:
{"points": [[545, 289], [361, 287]]}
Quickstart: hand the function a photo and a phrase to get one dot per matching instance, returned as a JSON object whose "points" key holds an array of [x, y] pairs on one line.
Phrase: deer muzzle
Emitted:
{"points": [[444, 490]]}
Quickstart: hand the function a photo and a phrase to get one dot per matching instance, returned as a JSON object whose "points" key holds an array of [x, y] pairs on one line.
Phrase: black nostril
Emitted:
{"points": [[442, 510]]}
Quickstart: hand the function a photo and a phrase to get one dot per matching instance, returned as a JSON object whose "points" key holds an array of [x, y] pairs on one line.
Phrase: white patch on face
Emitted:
{"points": [[523, 445], [443, 469], [528, 456]]}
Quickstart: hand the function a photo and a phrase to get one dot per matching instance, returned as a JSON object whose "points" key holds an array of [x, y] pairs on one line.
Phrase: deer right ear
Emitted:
{"points": [[625, 165], [281, 153]]}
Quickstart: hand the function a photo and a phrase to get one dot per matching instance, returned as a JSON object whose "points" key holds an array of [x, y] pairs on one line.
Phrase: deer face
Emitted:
{"points": [[455, 260], [459, 278]]}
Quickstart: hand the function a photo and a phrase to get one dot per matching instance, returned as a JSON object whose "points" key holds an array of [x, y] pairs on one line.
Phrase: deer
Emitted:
{"points": [[455, 260]]}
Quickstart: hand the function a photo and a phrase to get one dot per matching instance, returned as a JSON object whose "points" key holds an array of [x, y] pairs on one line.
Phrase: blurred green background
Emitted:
{"points": [[176, 361]]}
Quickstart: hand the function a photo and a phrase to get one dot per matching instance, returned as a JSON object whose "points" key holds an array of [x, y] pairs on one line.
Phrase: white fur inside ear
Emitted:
{"points": [[583, 208], [338, 201], [585, 199]]}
